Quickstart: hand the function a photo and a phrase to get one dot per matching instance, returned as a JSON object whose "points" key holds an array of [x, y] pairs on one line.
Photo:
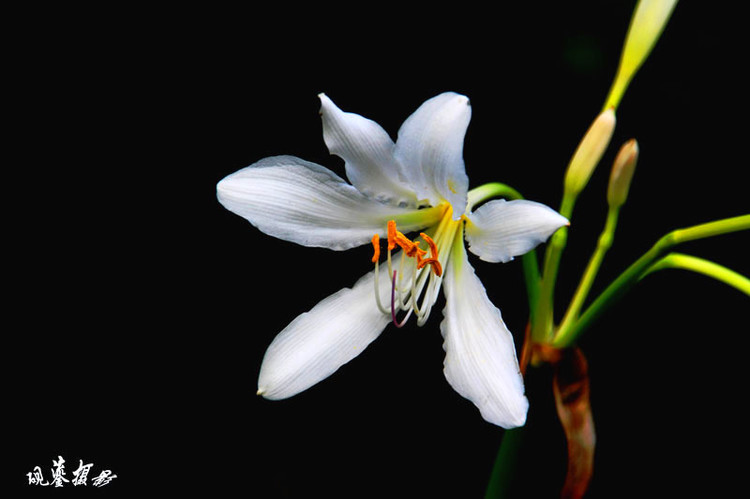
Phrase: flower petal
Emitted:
{"points": [[480, 356], [500, 230], [430, 148], [299, 201], [315, 344], [368, 154]]}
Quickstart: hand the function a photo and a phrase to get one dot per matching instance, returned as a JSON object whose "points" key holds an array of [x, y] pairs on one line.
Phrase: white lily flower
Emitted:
{"points": [[418, 183]]}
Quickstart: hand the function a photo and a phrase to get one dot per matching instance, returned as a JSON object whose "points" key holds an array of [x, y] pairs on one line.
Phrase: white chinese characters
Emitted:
{"points": [[80, 475]]}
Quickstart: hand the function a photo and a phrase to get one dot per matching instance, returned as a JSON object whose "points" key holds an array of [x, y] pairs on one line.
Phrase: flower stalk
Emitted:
{"points": [[604, 243], [705, 267], [582, 165], [617, 192], [568, 335], [505, 464]]}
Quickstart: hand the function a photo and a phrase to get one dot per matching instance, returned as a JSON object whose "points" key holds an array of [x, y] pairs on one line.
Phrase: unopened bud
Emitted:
{"points": [[589, 152], [622, 173], [646, 25]]}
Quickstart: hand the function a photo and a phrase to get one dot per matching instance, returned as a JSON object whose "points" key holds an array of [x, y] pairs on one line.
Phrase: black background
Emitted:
{"points": [[139, 309]]}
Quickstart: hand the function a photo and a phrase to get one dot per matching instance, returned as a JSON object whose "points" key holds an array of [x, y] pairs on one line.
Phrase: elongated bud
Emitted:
{"points": [[646, 25], [589, 152], [622, 173]]}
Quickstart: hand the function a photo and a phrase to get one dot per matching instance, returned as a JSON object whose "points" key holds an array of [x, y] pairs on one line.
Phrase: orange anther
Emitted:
{"points": [[392, 234], [376, 248], [433, 260], [410, 248], [436, 267], [406, 244], [431, 244], [420, 252]]}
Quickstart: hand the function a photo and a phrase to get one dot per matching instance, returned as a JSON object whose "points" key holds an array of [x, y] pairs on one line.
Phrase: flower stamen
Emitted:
{"points": [[392, 235], [375, 260], [433, 260], [393, 305], [376, 248], [416, 294], [410, 248]]}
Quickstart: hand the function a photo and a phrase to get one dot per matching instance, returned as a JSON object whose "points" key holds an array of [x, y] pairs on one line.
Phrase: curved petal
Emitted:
{"points": [[299, 201], [430, 148], [315, 344], [368, 154], [500, 230], [480, 356]]}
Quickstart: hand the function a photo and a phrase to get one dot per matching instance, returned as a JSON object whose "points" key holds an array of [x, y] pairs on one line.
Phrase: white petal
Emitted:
{"points": [[480, 356], [500, 230], [315, 344], [305, 203], [430, 148], [368, 152]]}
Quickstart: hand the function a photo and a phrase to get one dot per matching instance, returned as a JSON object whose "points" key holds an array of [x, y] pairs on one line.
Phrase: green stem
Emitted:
{"points": [[632, 274], [543, 325], [489, 191], [603, 245], [504, 468], [711, 229], [531, 277], [705, 267]]}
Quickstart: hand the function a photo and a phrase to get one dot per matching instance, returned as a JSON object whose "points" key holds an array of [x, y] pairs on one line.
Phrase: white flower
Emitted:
{"points": [[418, 183]]}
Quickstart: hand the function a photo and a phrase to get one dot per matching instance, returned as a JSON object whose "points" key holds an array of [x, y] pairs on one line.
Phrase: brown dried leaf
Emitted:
{"points": [[571, 388]]}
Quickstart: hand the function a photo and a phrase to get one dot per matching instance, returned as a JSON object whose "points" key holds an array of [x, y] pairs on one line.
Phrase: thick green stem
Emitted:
{"points": [[505, 465], [628, 279]]}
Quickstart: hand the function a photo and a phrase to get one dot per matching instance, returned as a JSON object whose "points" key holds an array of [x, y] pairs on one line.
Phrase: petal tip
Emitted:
{"points": [[271, 395], [325, 102], [459, 98], [514, 417]]}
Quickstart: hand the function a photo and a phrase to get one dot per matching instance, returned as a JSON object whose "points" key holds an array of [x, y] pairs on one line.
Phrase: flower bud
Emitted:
{"points": [[646, 25], [589, 152], [622, 173]]}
